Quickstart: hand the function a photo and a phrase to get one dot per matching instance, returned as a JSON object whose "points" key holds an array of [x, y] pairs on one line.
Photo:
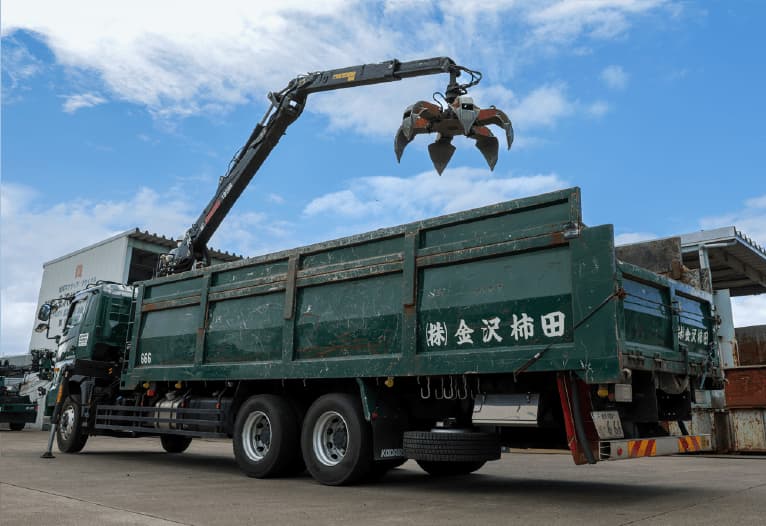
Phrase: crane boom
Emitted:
{"points": [[286, 106]]}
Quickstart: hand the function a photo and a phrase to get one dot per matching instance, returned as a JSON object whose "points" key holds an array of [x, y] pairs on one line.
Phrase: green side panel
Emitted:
{"points": [[177, 287], [478, 291], [516, 224], [521, 299], [169, 335], [245, 329], [350, 318], [594, 308], [250, 272], [647, 314], [345, 254]]}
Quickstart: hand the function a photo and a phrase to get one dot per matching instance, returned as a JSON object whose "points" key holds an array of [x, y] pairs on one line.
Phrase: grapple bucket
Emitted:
{"points": [[459, 117]]}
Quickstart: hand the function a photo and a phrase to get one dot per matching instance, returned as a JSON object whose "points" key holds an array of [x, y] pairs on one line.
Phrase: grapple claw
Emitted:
{"points": [[400, 142], [441, 152], [498, 118], [489, 147], [416, 119]]}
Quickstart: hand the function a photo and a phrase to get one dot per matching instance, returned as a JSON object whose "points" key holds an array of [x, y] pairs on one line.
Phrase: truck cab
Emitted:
{"points": [[95, 329], [96, 324]]}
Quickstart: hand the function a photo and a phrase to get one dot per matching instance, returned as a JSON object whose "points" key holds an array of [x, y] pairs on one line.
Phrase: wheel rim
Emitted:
{"points": [[256, 436], [67, 422], [330, 438]]}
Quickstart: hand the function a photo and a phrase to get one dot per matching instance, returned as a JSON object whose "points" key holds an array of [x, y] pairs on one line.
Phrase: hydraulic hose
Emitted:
{"points": [[579, 425]]}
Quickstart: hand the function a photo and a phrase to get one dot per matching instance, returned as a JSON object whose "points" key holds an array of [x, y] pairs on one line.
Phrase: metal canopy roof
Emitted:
{"points": [[148, 237], [737, 262], [156, 239]]}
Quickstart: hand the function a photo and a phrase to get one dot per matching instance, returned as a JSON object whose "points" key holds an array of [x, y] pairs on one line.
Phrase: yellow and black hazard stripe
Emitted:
{"points": [[689, 444], [642, 448]]}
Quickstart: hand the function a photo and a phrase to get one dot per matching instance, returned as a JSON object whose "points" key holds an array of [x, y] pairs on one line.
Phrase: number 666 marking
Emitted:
{"points": [[145, 358]]}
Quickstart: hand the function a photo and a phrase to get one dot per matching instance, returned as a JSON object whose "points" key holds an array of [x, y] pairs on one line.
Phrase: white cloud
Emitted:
{"points": [[562, 21], [626, 238], [276, 198], [30, 235], [344, 203], [72, 103], [750, 220], [385, 201], [208, 60], [749, 310], [614, 77], [756, 202], [544, 106], [18, 65], [598, 109]]}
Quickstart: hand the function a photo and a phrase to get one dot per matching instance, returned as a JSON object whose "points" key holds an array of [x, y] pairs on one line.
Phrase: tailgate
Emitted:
{"points": [[666, 325]]}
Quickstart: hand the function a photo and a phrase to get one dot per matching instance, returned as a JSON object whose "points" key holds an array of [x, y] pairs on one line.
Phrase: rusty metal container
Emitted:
{"points": [[749, 430], [751, 345], [746, 400], [746, 387]]}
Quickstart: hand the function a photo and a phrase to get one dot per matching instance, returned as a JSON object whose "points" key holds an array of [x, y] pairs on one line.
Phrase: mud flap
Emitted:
{"points": [[387, 419], [566, 385]]}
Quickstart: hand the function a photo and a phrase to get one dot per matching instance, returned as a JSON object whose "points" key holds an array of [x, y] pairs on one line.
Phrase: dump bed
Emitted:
{"points": [[481, 291]]}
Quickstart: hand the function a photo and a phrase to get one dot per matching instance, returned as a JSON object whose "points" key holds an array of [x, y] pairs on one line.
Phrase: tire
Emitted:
{"points": [[337, 440], [175, 443], [450, 469], [267, 437], [70, 436], [17, 426], [449, 446]]}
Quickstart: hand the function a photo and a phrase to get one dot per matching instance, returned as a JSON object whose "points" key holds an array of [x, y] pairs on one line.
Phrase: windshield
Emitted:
{"points": [[76, 313]]}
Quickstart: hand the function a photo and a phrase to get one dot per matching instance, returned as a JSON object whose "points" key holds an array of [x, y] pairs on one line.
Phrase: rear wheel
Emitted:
{"points": [[70, 436], [267, 437], [175, 443], [337, 440], [16, 426]]}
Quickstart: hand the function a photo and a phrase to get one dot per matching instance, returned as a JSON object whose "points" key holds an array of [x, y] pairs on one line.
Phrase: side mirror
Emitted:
{"points": [[44, 314], [41, 327]]}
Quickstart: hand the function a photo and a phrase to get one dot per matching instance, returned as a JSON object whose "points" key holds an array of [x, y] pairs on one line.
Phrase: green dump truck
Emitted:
{"points": [[442, 341]]}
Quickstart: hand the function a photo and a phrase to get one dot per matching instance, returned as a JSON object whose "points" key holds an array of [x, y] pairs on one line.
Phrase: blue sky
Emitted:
{"points": [[116, 117]]}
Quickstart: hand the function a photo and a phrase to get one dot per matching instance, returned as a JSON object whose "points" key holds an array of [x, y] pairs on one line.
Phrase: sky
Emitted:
{"points": [[118, 115]]}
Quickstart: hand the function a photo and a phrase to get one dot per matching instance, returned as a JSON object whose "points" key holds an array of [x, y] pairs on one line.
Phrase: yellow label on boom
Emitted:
{"points": [[348, 75]]}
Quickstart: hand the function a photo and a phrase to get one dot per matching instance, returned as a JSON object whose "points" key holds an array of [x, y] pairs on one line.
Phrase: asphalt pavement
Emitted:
{"points": [[132, 481]]}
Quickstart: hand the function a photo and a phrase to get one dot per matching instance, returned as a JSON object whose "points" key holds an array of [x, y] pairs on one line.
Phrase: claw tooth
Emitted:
{"points": [[400, 142], [407, 127], [441, 152], [488, 146]]}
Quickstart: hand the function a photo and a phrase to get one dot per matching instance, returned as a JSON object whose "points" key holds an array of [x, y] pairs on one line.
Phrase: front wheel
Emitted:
{"points": [[16, 426], [337, 440], [70, 436], [175, 443]]}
